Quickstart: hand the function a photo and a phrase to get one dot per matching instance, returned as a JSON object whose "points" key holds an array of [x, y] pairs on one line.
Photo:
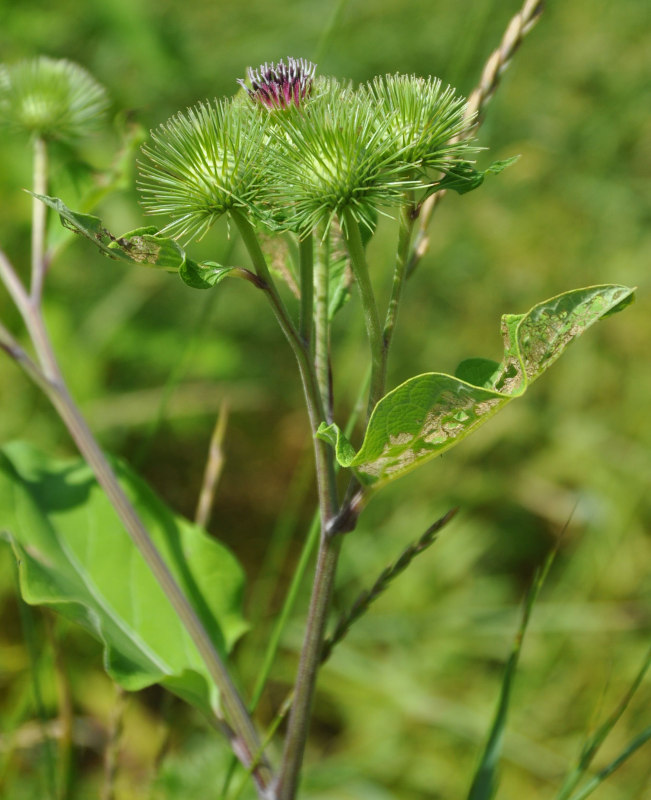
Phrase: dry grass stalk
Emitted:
{"points": [[497, 63]]}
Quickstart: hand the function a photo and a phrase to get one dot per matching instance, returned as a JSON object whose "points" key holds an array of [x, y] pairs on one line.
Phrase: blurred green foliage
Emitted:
{"points": [[405, 703]]}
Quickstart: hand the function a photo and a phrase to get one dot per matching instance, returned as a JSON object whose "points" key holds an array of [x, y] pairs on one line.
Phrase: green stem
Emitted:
{"points": [[283, 617], [407, 221], [32, 641], [322, 327], [245, 740], [39, 211], [306, 260], [353, 239], [315, 410], [286, 785]]}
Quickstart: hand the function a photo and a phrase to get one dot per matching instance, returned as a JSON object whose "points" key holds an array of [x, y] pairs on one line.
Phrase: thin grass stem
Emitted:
{"points": [[499, 60], [213, 468], [112, 749]]}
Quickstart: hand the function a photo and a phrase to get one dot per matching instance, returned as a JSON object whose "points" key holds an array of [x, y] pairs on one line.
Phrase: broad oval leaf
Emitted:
{"points": [[75, 556], [430, 413]]}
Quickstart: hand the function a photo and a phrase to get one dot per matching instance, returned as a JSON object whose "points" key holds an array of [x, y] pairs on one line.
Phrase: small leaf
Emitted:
{"points": [[204, 275], [141, 246], [75, 557], [464, 177], [430, 413], [85, 225]]}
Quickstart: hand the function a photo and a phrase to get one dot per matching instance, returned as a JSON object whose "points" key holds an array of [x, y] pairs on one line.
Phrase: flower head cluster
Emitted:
{"points": [[51, 99], [281, 86], [342, 153], [337, 156]]}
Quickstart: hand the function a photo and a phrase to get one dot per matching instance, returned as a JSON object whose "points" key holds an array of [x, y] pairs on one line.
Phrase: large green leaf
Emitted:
{"points": [[75, 556], [430, 413]]}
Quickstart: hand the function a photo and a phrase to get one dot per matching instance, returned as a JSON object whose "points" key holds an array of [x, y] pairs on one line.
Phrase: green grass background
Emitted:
{"points": [[405, 703]]}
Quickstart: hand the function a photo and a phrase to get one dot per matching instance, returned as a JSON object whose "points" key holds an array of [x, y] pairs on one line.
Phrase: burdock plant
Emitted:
{"points": [[314, 161]]}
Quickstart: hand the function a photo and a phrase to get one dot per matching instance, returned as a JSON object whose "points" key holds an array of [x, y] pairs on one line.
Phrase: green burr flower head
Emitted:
{"points": [[336, 155], [428, 121], [202, 163], [51, 99]]}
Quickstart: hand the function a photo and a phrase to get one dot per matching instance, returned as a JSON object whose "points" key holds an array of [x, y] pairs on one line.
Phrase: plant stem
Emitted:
{"points": [[283, 617], [39, 211], [245, 740], [324, 464], [213, 468], [407, 220], [353, 239], [286, 785], [322, 328], [16, 352], [243, 736], [306, 259]]}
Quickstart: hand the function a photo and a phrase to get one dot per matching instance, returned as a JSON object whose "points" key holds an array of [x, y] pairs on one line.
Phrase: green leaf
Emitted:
{"points": [[147, 246], [75, 557], [464, 177], [480, 371], [141, 246], [85, 225], [204, 275], [430, 413]]}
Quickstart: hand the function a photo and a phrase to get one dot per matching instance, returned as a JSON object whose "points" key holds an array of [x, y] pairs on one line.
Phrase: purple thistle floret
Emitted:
{"points": [[281, 85]]}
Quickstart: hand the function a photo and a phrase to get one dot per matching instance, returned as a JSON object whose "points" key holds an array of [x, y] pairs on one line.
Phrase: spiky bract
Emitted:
{"points": [[335, 156], [51, 99], [201, 164], [427, 120]]}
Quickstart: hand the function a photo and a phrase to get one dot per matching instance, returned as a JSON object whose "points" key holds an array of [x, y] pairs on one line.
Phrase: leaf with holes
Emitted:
{"points": [[75, 556], [429, 414]]}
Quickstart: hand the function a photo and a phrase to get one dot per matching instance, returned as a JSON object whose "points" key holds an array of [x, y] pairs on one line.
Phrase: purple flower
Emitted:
{"points": [[279, 86]]}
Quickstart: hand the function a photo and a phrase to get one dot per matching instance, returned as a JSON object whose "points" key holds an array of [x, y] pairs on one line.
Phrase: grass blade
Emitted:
{"points": [[485, 779], [593, 744], [608, 770]]}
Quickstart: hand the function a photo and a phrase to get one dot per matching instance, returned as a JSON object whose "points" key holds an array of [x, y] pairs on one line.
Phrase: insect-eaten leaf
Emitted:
{"points": [[74, 556], [430, 413], [141, 246]]}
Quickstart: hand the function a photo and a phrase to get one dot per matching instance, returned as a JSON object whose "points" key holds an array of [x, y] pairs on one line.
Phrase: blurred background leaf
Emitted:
{"points": [[404, 704]]}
